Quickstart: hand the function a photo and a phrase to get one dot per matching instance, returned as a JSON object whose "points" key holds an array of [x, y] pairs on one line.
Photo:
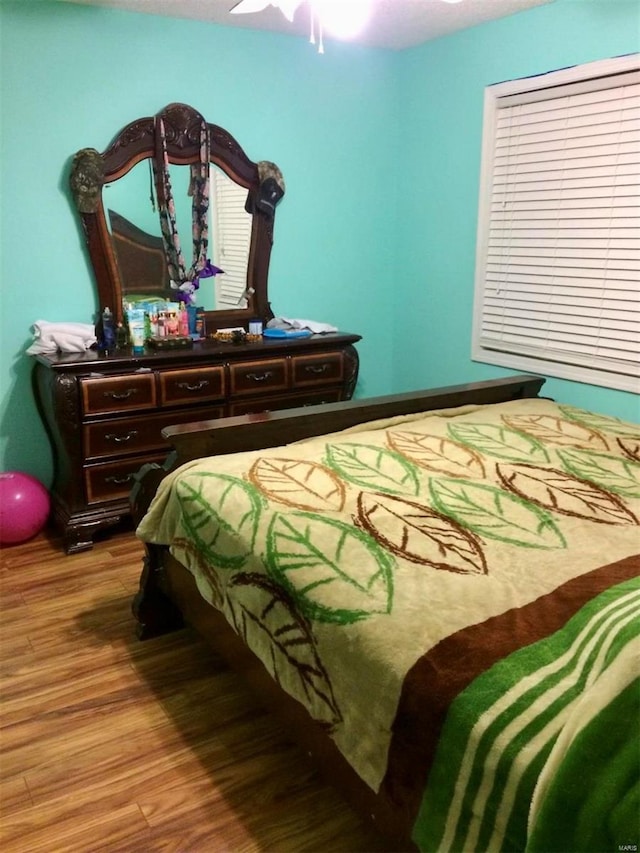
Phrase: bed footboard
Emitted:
{"points": [[154, 611]]}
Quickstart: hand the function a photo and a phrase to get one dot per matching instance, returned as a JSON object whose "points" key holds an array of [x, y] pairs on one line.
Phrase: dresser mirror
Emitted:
{"points": [[117, 194]]}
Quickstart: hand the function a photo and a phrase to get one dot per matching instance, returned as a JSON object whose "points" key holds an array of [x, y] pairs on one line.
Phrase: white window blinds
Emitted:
{"points": [[231, 239], [558, 273]]}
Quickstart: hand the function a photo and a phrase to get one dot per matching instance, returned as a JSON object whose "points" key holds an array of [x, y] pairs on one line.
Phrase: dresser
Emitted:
{"points": [[105, 413]]}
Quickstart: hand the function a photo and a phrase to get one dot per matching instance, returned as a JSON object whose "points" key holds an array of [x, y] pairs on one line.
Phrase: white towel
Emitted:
{"points": [[61, 337], [312, 325]]}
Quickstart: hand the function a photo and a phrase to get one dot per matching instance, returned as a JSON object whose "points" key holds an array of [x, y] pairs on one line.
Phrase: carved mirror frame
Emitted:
{"points": [[136, 142]]}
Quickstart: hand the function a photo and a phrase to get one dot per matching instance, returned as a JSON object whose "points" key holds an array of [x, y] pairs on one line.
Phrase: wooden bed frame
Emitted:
{"points": [[168, 597]]}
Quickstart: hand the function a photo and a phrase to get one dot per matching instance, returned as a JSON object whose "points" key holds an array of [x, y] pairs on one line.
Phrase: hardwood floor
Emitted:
{"points": [[112, 744]]}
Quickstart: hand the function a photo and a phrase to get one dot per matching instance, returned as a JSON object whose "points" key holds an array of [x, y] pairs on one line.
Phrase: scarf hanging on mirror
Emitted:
{"points": [[199, 192]]}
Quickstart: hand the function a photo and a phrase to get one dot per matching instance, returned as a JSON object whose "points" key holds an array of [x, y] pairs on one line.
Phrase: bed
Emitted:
{"points": [[438, 592]]}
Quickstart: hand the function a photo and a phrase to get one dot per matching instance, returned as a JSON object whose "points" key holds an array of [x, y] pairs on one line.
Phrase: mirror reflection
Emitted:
{"points": [[170, 204], [136, 235]]}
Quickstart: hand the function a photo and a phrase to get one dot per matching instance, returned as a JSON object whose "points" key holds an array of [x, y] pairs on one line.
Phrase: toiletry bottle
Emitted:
{"points": [[121, 336], [200, 325], [137, 337], [108, 330], [184, 320]]}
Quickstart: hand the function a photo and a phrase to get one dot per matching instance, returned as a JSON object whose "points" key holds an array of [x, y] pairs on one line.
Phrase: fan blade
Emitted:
{"points": [[248, 6], [288, 8]]}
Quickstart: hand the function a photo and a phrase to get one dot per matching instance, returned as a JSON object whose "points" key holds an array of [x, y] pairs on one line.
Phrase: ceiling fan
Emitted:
{"points": [[338, 17], [287, 7]]}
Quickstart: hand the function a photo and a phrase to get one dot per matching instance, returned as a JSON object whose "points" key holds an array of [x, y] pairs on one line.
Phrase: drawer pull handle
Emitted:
{"points": [[259, 377], [197, 386], [124, 395], [317, 368], [120, 439], [119, 481]]}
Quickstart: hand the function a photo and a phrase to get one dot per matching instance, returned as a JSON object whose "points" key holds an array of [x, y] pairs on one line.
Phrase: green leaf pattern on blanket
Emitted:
{"points": [[419, 534], [373, 468], [444, 529], [259, 606], [221, 542], [564, 493], [499, 441], [613, 473], [604, 423], [496, 514], [306, 554]]}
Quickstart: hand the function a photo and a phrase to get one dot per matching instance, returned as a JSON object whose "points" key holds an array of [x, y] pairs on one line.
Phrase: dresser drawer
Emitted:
{"points": [[181, 387], [118, 393], [318, 369], [118, 437], [110, 481], [258, 377], [289, 401]]}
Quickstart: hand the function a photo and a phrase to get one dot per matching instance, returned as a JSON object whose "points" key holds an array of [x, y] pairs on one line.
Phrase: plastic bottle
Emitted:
{"points": [[183, 320], [108, 330], [121, 336]]}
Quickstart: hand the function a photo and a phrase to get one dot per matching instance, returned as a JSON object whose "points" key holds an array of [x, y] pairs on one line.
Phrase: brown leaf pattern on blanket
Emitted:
{"points": [[419, 534], [298, 483], [211, 574], [260, 607], [554, 430], [436, 453], [565, 494], [630, 447]]}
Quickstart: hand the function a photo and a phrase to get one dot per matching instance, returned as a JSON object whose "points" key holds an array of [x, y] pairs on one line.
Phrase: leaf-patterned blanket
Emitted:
{"points": [[408, 580]]}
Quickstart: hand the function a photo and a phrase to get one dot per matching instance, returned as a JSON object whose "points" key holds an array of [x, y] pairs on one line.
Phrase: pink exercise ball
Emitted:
{"points": [[24, 507]]}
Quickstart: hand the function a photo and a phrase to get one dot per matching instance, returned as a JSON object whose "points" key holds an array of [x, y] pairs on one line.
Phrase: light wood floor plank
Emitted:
{"points": [[112, 744]]}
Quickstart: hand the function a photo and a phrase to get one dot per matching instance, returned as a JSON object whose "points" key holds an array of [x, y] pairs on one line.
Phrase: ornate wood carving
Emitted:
{"points": [[352, 365], [154, 612]]}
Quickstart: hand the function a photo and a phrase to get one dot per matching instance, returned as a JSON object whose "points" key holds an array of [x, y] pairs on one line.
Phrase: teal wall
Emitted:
{"points": [[379, 149], [73, 75], [442, 85]]}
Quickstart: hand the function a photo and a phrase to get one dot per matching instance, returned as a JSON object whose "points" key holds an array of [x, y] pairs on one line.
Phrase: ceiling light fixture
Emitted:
{"points": [[343, 20]]}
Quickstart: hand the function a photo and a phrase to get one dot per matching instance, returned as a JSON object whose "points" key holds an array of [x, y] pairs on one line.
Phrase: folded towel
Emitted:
{"points": [[312, 325], [63, 337]]}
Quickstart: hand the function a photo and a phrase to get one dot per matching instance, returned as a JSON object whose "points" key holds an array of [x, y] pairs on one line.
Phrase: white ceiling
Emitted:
{"points": [[394, 23]]}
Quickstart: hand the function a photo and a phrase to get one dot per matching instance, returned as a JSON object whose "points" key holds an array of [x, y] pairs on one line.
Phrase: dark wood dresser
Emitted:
{"points": [[105, 413]]}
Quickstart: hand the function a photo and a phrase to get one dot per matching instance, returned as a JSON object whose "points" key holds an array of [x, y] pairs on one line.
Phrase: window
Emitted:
{"points": [[558, 260], [231, 226]]}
